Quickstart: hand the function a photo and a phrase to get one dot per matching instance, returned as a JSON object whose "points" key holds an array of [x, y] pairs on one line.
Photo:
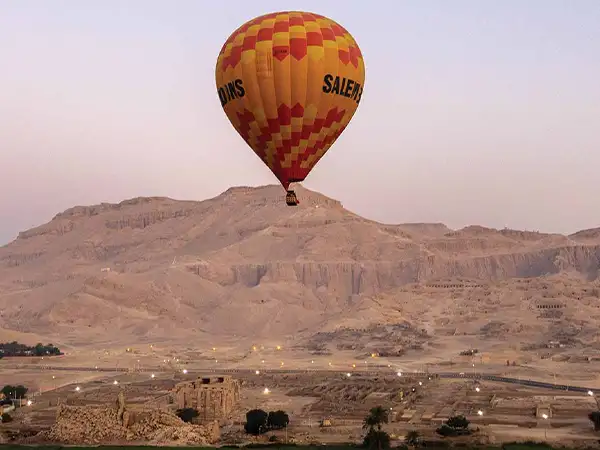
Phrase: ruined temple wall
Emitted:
{"points": [[214, 400]]}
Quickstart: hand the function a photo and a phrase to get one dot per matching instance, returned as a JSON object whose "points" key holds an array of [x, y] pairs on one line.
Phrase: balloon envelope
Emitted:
{"points": [[289, 83]]}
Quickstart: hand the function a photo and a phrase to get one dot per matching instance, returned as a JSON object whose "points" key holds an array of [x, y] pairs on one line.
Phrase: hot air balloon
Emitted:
{"points": [[289, 83]]}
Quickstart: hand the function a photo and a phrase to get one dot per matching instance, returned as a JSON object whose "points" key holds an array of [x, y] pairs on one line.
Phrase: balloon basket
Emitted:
{"points": [[291, 199]]}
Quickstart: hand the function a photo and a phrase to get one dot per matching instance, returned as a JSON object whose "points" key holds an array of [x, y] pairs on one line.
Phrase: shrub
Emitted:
{"points": [[187, 414], [256, 422], [458, 422], [277, 420], [595, 419]]}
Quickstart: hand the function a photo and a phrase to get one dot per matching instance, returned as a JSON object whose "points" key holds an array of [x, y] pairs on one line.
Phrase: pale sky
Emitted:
{"points": [[474, 111]]}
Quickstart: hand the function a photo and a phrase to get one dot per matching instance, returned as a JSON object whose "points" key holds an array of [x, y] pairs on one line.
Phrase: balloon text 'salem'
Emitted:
{"points": [[347, 88]]}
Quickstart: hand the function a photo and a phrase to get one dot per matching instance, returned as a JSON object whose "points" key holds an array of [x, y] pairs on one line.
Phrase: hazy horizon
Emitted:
{"points": [[472, 113]]}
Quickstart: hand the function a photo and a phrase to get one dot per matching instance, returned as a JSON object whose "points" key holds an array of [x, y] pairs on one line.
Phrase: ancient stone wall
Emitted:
{"points": [[113, 424], [213, 397]]}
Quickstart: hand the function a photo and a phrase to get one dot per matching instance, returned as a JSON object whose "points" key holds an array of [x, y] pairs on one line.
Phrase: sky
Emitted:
{"points": [[474, 111]]}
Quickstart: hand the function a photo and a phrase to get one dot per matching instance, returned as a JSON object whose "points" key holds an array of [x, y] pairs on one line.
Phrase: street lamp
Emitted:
{"points": [[545, 417]]}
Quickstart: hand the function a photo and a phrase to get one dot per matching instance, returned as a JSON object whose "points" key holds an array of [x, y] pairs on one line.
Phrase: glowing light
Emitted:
{"points": [[77, 389], [115, 382], [348, 374], [480, 413], [29, 403], [152, 376], [278, 347], [257, 372], [544, 416], [266, 391], [399, 374], [477, 389], [184, 371]]}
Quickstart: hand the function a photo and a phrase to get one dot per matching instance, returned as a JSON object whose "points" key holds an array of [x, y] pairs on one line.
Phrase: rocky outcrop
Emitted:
{"points": [[370, 277]]}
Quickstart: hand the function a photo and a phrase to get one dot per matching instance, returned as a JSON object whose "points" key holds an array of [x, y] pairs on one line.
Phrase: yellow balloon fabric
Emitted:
{"points": [[289, 83]]}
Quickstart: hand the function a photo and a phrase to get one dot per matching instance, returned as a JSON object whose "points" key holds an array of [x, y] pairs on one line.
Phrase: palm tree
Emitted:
{"points": [[377, 416], [412, 438]]}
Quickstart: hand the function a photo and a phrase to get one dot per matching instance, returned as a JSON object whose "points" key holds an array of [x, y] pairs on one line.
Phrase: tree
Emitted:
{"points": [[412, 438], [377, 439], [277, 420], [376, 418], [454, 426], [256, 422], [187, 414], [595, 418], [459, 422], [446, 430], [14, 391]]}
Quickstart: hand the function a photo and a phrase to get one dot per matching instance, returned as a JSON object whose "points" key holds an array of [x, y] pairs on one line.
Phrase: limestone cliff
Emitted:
{"points": [[158, 267]]}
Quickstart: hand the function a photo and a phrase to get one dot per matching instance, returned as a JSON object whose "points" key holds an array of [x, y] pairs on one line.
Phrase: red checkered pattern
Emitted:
{"points": [[285, 116]]}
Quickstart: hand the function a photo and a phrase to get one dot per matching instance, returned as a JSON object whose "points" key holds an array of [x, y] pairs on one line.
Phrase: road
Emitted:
{"points": [[371, 373]]}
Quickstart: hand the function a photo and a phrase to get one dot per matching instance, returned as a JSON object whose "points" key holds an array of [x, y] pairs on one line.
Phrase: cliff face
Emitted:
{"points": [[158, 267]]}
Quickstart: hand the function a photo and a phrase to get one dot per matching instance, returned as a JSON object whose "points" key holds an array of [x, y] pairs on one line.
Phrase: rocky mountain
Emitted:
{"points": [[243, 263]]}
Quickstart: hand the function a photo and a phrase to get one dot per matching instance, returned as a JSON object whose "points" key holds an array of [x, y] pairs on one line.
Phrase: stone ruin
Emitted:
{"points": [[213, 397], [113, 424]]}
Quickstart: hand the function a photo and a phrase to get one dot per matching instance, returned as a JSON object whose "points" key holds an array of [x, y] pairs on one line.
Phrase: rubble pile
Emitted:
{"points": [[164, 426], [86, 425], [93, 425]]}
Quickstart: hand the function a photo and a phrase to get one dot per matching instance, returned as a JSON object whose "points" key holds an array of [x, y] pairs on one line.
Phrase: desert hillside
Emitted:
{"points": [[244, 264]]}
